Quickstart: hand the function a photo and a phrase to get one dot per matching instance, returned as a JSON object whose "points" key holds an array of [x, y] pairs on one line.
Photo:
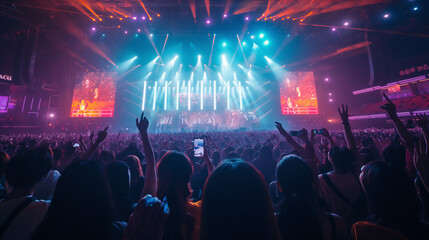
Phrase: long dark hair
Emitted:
{"points": [[236, 204], [392, 198], [81, 206], [298, 213], [174, 172]]}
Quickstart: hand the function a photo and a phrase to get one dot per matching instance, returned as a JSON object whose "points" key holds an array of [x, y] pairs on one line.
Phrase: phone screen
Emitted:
{"points": [[198, 147]]}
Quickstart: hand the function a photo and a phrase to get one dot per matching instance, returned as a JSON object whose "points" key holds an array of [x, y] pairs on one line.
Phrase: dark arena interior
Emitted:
{"points": [[214, 119]]}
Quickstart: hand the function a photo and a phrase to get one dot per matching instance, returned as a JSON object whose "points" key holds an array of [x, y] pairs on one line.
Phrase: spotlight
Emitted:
{"points": [[93, 28], [415, 8], [247, 18], [158, 15], [120, 19], [330, 94], [333, 29], [244, 43], [103, 35], [51, 115], [261, 35], [199, 56], [346, 24], [134, 18], [136, 35], [143, 18], [266, 42], [326, 79], [330, 100], [139, 30], [224, 16], [208, 21], [386, 15], [252, 37], [224, 44], [126, 32], [151, 35]]}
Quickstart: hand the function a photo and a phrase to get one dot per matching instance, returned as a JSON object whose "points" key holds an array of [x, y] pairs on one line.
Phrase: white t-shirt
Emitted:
{"points": [[45, 188], [23, 226]]}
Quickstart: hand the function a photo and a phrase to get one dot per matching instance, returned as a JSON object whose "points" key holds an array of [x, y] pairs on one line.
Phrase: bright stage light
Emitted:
{"points": [[208, 21], [266, 42], [240, 95], [165, 95], [51, 115], [415, 8], [189, 93], [144, 94], [386, 15], [225, 15], [333, 29], [139, 30], [151, 35], [134, 18], [143, 18], [261, 35], [252, 37], [93, 28], [246, 18], [199, 56], [268, 60], [202, 95], [255, 46], [244, 43], [346, 24], [103, 35], [227, 96], [126, 32], [224, 44], [214, 95], [326, 79], [239, 65], [154, 95]]}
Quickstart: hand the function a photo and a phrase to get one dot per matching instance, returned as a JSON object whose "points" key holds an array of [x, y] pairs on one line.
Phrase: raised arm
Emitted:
{"points": [[150, 185], [421, 162], [290, 140], [100, 138], [390, 109], [350, 140]]}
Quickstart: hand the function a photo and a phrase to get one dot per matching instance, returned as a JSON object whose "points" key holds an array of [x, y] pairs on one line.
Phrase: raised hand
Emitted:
{"points": [[143, 124], [422, 120], [344, 114], [389, 107], [91, 137], [281, 129], [304, 135], [101, 136]]}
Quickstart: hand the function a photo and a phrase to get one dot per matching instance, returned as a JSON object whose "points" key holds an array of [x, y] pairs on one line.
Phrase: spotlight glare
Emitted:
{"points": [[134, 18], [261, 35], [151, 35], [208, 21], [244, 43], [266, 42], [247, 18], [225, 15], [386, 15], [333, 29], [51, 115], [346, 23], [252, 37], [126, 32], [143, 18], [224, 44], [139, 30], [93, 28], [326, 79], [415, 8], [199, 56]]}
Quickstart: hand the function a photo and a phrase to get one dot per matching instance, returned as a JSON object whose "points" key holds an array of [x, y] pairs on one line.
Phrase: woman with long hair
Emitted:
{"points": [[236, 204], [81, 207], [300, 216]]}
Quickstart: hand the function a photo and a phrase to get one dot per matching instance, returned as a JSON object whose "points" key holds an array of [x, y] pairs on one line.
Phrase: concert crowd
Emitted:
{"points": [[307, 184]]}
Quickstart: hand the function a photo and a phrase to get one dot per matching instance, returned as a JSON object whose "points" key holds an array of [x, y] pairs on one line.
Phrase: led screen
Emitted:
{"points": [[298, 94], [94, 95]]}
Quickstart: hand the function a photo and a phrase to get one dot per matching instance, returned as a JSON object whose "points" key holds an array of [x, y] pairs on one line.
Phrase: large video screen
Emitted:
{"points": [[298, 93], [94, 95]]}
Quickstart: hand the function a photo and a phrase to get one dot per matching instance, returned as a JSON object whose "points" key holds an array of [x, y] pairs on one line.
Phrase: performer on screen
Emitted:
{"points": [[82, 106]]}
